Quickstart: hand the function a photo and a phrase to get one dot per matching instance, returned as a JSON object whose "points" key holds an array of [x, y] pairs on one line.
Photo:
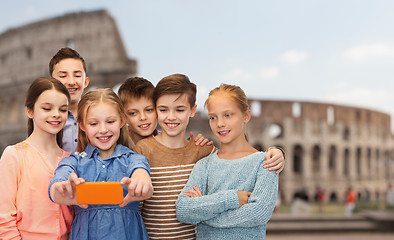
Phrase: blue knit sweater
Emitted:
{"points": [[217, 213]]}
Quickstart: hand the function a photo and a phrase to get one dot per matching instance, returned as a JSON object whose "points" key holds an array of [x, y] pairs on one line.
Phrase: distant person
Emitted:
{"points": [[300, 204], [27, 167], [320, 199], [69, 68], [351, 197], [103, 157], [229, 194], [390, 195]]}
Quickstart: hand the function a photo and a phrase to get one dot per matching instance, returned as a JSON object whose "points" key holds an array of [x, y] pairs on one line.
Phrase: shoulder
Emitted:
{"points": [[145, 144]]}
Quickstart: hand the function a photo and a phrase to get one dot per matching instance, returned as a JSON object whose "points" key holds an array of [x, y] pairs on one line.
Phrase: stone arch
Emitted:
{"points": [[298, 159], [316, 164], [346, 134], [333, 197], [358, 161], [346, 162], [332, 157]]}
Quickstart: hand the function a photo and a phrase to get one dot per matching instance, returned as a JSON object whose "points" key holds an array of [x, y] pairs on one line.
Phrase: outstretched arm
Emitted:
{"points": [[139, 186]]}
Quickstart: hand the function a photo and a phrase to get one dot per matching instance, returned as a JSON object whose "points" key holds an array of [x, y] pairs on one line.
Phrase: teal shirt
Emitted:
{"points": [[217, 213]]}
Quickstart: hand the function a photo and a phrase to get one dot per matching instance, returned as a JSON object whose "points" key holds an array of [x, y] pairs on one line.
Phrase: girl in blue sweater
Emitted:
{"points": [[229, 194]]}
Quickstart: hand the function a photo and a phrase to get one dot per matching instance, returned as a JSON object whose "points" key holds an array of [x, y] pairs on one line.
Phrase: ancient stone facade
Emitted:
{"points": [[328, 146], [25, 53]]}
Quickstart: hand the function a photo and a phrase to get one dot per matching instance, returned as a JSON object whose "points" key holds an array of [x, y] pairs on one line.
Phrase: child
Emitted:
{"points": [[103, 157], [27, 167], [69, 68], [136, 95], [172, 157], [229, 194]]}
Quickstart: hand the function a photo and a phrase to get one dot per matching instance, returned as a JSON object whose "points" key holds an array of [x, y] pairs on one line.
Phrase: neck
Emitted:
{"points": [[178, 141], [74, 108], [135, 137], [43, 141], [236, 149]]}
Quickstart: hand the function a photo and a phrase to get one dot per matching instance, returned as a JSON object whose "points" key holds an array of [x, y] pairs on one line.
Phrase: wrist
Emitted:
{"points": [[280, 149]]}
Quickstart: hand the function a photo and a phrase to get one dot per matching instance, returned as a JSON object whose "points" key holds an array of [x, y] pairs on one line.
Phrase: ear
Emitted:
{"points": [[247, 116], [194, 109], [82, 127], [29, 113], [87, 81]]}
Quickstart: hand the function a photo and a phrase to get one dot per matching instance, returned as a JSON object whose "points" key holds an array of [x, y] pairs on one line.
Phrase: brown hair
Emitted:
{"points": [[94, 97], [65, 53], [176, 84], [234, 92], [37, 87], [136, 87]]}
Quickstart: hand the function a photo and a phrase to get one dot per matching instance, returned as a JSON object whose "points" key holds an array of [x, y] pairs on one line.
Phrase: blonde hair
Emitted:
{"points": [[235, 93], [94, 97]]}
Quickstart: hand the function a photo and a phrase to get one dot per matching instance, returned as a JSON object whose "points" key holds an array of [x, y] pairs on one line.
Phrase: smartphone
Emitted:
{"points": [[99, 193]]}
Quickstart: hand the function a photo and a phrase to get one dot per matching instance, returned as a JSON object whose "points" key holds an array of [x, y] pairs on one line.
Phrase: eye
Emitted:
{"points": [[163, 110], [93, 124], [212, 118], [150, 110], [131, 113], [111, 121], [46, 109], [228, 115], [63, 110]]}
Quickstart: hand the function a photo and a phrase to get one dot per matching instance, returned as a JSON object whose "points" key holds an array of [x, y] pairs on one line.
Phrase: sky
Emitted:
{"points": [[336, 51]]}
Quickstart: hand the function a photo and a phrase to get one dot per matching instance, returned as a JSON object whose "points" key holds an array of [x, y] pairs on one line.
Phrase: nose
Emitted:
{"points": [[220, 122], [103, 128], [142, 116], [171, 115], [70, 80], [55, 113]]}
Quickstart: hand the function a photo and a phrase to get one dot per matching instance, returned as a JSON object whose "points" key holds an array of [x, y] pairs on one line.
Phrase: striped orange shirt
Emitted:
{"points": [[170, 170]]}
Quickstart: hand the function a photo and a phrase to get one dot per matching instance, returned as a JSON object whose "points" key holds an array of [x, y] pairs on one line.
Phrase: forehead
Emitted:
{"points": [[134, 102], [173, 100], [102, 110], [52, 96], [221, 102], [69, 64]]}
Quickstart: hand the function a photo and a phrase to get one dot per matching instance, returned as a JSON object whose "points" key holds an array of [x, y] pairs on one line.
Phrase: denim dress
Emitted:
{"points": [[105, 221]]}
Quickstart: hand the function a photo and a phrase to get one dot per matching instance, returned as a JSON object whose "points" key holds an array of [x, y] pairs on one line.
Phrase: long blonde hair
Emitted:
{"points": [[94, 97]]}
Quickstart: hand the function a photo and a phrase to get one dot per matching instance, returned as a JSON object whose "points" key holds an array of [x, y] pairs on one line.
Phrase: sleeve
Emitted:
{"points": [[259, 208], [10, 176], [137, 161], [198, 209], [66, 166]]}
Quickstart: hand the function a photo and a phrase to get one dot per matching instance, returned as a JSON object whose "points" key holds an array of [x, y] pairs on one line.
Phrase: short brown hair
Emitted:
{"points": [[176, 84], [65, 53], [135, 87]]}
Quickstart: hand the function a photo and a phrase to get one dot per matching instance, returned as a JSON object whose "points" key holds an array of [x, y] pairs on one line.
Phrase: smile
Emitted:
{"points": [[224, 133], [54, 123], [104, 139], [70, 90], [144, 126], [172, 125]]}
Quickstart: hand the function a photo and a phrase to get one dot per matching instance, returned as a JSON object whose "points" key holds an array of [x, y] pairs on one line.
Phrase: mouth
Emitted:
{"points": [[172, 125], [224, 133], [54, 123], [104, 139], [72, 90], [144, 126]]}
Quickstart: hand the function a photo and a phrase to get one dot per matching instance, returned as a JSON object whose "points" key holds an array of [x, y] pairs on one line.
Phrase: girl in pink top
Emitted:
{"points": [[27, 167]]}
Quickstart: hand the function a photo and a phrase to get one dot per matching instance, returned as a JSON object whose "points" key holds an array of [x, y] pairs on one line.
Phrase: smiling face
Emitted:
{"points": [[102, 127], [71, 73], [173, 113], [141, 117], [50, 112], [226, 120]]}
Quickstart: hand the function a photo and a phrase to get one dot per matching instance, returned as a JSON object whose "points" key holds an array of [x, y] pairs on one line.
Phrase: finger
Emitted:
{"points": [[73, 178], [275, 167], [131, 187], [199, 193], [204, 142], [191, 134], [280, 169], [83, 205], [60, 188], [125, 180], [138, 189], [209, 143], [69, 189]]}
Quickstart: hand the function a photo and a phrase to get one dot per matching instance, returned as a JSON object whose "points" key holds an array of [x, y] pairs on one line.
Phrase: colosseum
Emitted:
{"points": [[328, 146], [25, 53]]}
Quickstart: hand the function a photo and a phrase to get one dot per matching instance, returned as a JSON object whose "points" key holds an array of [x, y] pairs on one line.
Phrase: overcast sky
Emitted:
{"points": [[339, 51]]}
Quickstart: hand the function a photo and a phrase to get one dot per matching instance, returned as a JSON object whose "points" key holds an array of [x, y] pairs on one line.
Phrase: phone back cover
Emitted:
{"points": [[99, 193]]}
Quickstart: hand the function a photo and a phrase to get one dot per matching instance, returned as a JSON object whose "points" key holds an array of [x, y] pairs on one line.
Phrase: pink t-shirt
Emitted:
{"points": [[25, 208]]}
